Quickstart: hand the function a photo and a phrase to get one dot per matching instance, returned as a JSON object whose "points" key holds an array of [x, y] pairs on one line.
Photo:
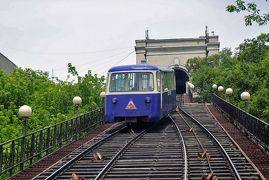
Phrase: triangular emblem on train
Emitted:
{"points": [[130, 105]]}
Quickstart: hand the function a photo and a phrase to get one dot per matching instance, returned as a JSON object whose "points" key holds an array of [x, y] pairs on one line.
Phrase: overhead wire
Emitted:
{"points": [[68, 53], [119, 61], [97, 61]]}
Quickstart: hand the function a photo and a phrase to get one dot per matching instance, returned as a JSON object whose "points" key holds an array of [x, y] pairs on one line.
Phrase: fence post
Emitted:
{"points": [[32, 148], [48, 141], [72, 129], [40, 144], [55, 135], [66, 130], [1, 158], [11, 158], [76, 127], [61, 135]]}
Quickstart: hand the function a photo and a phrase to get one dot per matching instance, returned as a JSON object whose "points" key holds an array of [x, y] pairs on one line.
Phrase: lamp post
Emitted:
{"points": [[77, 102], [229, 92], [214, 86], [220, 89], [103, 95], [245, 96], [24, 112]]}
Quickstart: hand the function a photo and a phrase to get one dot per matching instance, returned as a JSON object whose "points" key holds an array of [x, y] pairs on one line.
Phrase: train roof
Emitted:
{"points": [[138, 67]]}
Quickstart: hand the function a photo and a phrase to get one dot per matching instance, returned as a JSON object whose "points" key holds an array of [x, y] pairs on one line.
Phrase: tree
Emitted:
{"points": [[51, 101], [253, 50], [253, 12], [72, 69], [247, 70]]}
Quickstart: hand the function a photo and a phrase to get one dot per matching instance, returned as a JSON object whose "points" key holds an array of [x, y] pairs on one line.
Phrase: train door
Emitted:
{"points": [[159, 89], [165, 92]]}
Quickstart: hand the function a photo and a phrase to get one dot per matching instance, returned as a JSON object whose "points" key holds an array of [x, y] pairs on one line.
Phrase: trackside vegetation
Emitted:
{"points": [[245, 70], [51, 101]]}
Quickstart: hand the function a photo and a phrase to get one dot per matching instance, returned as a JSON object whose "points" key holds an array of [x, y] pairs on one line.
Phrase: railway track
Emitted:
{"points": [[154, 153], [159, 154], [243, 167], [204, 156], [96, 152], [176, 149]]}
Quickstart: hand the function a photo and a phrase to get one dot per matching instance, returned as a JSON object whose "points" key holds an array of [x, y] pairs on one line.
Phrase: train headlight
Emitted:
{"points": [[148, 100], [114, 100]]}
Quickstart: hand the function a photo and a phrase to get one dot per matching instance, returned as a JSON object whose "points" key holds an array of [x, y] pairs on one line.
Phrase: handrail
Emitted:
{"points": [[21, 152], [256, 128]]}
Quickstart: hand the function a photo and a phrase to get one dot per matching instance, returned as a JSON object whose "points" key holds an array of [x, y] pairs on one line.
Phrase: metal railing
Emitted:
{"points": [[256, 128], [19, 153]]}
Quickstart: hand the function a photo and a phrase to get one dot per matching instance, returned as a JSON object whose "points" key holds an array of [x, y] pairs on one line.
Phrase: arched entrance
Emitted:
{"points": [[182, 76]]}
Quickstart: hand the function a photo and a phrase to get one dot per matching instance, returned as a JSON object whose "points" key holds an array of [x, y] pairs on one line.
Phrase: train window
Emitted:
{"points": [[168, 80], [131, 81], [165, 82]]}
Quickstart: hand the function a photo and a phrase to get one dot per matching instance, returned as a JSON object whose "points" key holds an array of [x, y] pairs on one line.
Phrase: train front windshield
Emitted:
{"points": [[131, 81]]}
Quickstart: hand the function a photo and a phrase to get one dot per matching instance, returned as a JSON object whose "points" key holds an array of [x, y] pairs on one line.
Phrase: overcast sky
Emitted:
{"points": [[97, 34]]}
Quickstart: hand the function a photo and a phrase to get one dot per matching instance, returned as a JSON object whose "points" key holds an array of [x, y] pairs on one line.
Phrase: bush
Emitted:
{"points": [[51, 102]]}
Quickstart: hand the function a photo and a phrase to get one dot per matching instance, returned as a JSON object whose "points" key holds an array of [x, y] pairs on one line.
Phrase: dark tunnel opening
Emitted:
{"points": [[181, 78]]}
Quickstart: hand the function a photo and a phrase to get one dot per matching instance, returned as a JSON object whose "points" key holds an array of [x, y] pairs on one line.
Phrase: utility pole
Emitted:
{"points": [[206, 41], [52, 75], [146, 38]]}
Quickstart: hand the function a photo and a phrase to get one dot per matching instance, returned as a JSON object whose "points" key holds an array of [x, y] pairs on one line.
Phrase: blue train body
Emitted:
{"points": [[139, 93]]}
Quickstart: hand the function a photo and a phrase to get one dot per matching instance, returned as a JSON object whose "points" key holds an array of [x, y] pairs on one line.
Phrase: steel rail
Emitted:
{"points": [[218, 143], [80, 155], [113, 160], [199, 142], [184, 149]]}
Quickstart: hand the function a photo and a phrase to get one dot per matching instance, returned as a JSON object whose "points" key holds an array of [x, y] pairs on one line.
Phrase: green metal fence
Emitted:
{"points": [[19, 153]]}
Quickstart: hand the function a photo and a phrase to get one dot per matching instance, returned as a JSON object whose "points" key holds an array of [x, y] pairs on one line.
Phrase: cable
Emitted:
{"points": [[124, 58], [68, 53], [95, 61], [120, 61]]}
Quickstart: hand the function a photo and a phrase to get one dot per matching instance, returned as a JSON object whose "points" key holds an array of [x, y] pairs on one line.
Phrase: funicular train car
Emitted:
{"points": [[139, 93]]}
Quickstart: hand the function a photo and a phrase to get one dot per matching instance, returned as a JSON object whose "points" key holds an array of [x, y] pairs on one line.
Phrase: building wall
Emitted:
{"points": [[168, 59], [164, 52], [6, 64]]}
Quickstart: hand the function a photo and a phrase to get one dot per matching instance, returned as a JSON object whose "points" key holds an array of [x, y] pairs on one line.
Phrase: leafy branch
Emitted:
{"points": [[253, 12]]}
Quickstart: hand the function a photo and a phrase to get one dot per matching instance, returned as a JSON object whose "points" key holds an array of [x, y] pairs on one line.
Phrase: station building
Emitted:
{"points": [[6, 64], [165, 52], [175, 53]]}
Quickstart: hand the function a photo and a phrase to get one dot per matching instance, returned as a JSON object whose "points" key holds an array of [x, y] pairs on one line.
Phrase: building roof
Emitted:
{"points": [[6, 64], [200, 38]]}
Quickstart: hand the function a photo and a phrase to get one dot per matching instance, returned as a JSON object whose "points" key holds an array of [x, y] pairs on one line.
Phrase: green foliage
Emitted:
{"points": [[51, 101], [253, 50], [253, 15], [247, 70], [72, 69]]}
